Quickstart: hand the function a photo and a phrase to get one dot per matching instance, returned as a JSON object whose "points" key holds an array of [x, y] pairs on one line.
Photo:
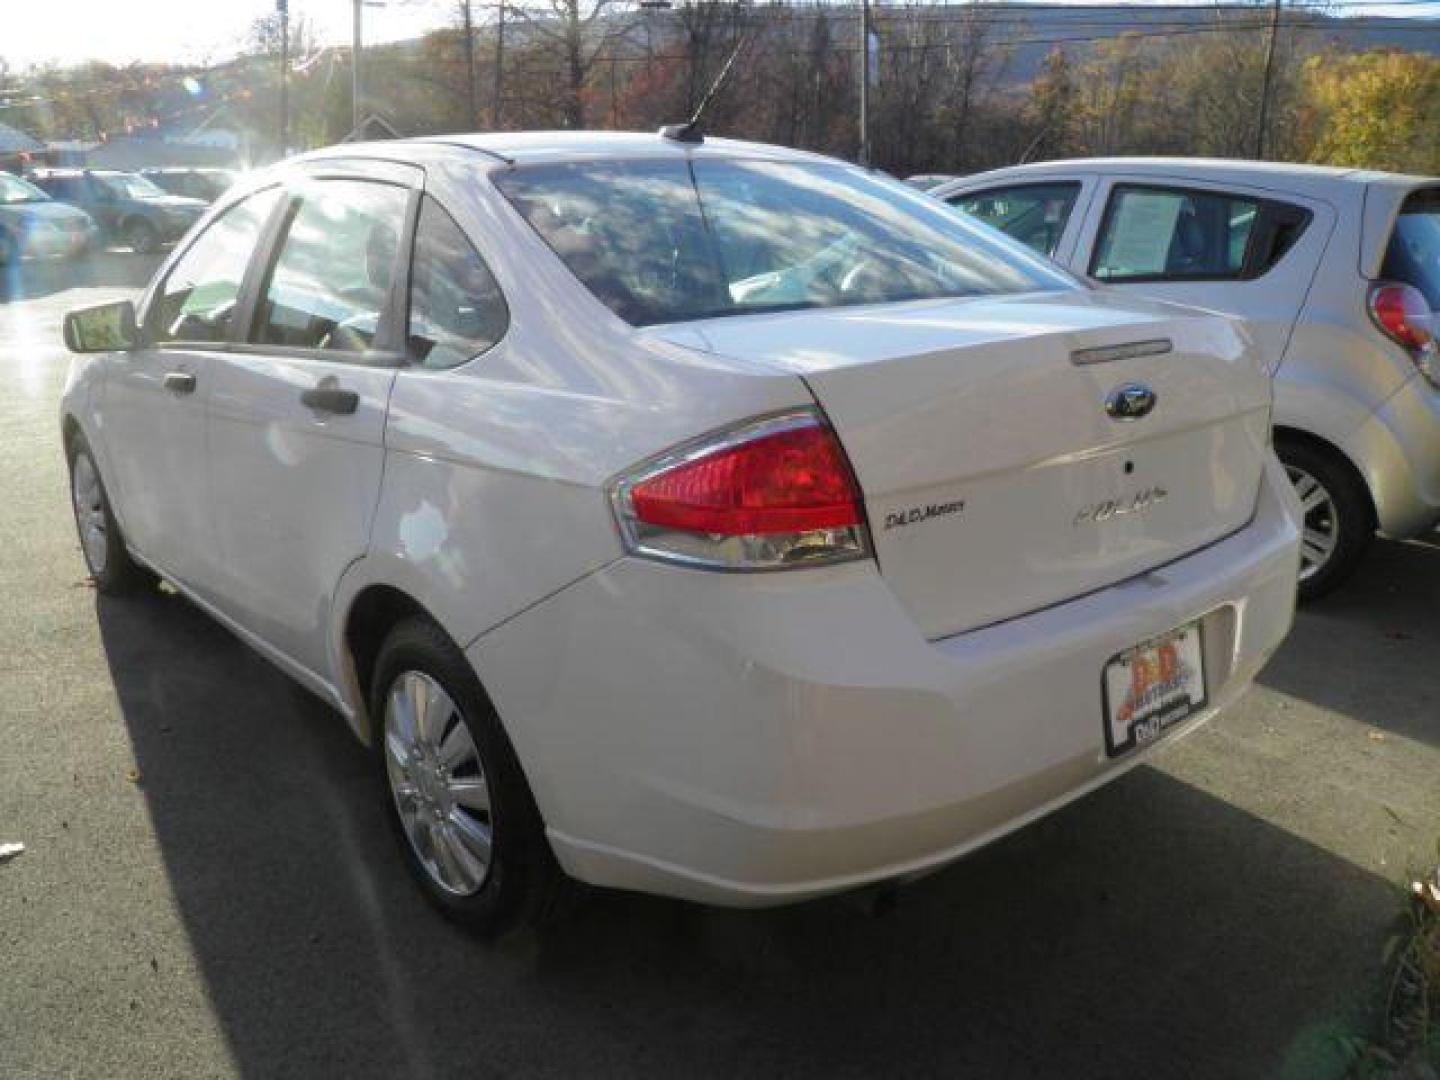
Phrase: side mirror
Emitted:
{"points": [[103, 328]]}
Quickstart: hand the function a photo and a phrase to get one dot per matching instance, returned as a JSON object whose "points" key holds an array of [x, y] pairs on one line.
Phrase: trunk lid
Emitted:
{"points": [[995, 480]]}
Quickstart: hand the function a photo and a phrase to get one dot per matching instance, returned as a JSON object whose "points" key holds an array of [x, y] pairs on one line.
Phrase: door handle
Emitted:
{"points": [[331, 399], [180, 382]]}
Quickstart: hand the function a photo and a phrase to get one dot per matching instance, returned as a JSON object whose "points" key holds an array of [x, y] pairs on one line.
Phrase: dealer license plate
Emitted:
{"points": [[1152, 687]]}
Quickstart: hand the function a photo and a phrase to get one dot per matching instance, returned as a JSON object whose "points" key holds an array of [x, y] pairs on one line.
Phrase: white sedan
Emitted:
{"points": [[709, 519]]}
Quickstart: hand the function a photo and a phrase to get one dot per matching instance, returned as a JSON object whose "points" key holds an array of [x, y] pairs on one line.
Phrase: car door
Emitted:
{"points": [[297, 414], [154, 397], [101, 202], [1044, 213], [1228, 247]]}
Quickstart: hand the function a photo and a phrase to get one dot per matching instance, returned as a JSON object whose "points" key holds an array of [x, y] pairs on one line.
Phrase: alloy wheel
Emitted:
{"points": [[89, 501], [1321, 531], [438, 783]]}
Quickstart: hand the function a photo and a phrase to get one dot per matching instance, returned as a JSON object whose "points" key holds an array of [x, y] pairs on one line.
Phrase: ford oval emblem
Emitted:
{"points": [[1129, 402]]}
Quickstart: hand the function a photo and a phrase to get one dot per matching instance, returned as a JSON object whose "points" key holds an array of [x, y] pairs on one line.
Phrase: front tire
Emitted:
{"points": [[1339, 518], [101, 542], [458, 801]]}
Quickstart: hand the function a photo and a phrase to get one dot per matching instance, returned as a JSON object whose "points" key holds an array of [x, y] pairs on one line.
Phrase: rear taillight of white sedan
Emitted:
{"points": [[1404, 316], [773, 493]]}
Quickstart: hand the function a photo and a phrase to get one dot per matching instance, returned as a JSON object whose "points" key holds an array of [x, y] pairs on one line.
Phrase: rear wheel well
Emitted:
{"points": [[1324, 446], [375, 612]]}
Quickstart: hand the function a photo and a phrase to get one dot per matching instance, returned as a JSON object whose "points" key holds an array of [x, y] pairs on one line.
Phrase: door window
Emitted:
{"points": [[330, 285], [197, 301], [1034, 214], [456, 308], [1160, 234]]}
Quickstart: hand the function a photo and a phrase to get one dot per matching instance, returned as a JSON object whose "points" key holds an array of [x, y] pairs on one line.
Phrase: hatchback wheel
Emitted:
{"points": [[463, 813], [1338, 520], [7, 249], [101, 541], [141, 237]]}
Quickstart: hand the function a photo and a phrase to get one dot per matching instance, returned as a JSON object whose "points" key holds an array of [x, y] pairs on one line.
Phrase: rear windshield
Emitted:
{"points": [[670, 241], [1414, 253]]}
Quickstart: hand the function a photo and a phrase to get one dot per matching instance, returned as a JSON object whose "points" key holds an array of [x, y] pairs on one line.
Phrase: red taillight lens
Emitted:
{"points": [[1402, 312], [777, 492]]}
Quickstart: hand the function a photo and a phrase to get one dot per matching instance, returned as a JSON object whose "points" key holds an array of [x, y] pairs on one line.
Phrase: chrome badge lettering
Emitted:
{"points": [[896, 519], [1112, 508]]}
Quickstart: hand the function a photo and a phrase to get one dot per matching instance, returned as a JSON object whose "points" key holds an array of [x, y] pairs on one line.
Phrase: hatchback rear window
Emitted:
{"points": [[1413, 257], [670, 241]]}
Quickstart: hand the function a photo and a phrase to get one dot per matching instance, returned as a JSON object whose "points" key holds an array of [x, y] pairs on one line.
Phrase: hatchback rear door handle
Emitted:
{"points": [[180, 382], [331, 399]]}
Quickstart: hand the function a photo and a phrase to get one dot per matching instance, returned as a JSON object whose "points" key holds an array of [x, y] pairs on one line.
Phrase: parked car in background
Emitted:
{"points": [[711, 519], [129, 209], [198, 183], [926, 181], [33, 224], [1337, 270]]}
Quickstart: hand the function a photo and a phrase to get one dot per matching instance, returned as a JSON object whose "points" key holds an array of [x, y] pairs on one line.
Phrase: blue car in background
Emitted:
{"points": [[33, 224]]}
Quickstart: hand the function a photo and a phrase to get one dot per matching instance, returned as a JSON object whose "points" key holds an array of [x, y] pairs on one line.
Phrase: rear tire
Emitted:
{"points": [[101, 542], [457, 799], [1339, 517], [142, 237]]}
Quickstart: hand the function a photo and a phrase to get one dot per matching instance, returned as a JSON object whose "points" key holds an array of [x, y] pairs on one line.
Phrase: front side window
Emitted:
{"points": [[1034, 214], [128, 186], [1157, 234], [1413, 257], [668, 241], [14, 190], [456, 309], [197, 301], [330, 285]]}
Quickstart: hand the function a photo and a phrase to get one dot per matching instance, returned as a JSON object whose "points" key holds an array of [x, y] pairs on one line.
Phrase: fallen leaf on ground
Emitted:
{"points": [[1428, 893], [1375, 736], [133, 775], [9, 851]]}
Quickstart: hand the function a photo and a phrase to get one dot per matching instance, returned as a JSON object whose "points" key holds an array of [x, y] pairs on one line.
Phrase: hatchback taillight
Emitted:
{"points": [[1403, 314], [770, 494]]}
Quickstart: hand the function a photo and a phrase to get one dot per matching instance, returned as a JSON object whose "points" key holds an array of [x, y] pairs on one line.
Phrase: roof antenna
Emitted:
{"points": [[689, 131]]}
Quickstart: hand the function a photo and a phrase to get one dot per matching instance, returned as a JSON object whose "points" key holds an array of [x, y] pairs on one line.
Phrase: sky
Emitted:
{"points": [[198, 31]]}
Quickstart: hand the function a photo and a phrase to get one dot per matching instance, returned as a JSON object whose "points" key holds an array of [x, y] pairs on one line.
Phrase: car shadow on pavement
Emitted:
{"points": [[32, 279], [1150, 929], [1393, 601]]}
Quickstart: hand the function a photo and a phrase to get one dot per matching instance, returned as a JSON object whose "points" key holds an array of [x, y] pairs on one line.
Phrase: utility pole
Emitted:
{"points": [[1265, 85], [283, 8], [495, 110], [865, 83], [355, 71], [472, 118]]}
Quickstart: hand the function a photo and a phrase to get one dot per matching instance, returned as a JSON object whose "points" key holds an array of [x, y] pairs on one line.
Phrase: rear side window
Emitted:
{"points": [[1034, 214], [197, 301], [1152, 234], [1413, 257], [456, 308], [330, 285]]}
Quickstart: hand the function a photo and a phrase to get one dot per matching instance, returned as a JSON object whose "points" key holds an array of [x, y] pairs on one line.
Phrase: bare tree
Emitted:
{"points": [[580, 30]]}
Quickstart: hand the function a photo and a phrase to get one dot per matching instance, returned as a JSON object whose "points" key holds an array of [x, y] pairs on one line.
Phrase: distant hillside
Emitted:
{"points": [[1037, 27]]}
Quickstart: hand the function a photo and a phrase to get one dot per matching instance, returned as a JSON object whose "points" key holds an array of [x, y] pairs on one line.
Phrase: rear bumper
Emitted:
{"points": [[759, 739], [1398, 449]]}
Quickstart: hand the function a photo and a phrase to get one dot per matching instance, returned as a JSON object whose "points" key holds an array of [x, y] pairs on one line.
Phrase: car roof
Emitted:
{"points": [[527, 147], [1301, 179]]}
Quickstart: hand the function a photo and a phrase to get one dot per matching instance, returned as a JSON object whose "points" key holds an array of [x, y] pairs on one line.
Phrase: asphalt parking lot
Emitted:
{"points": [[209, 890]]}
